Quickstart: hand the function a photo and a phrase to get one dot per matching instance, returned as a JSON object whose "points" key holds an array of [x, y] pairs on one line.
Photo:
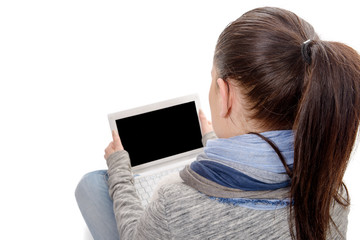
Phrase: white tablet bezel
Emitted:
{"points": [[152, 107]]}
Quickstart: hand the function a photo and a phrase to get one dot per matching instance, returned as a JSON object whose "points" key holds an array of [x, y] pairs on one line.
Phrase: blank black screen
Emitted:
{"points": [[160, 133]]}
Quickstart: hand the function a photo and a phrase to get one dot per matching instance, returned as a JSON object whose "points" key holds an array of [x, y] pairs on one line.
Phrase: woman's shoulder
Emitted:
{"points": [[178, 190]]}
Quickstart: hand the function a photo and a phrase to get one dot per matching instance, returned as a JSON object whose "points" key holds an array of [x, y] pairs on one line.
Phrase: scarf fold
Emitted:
{"points": [[251, 150], [213, 189], [232, 178], [242, 163]]}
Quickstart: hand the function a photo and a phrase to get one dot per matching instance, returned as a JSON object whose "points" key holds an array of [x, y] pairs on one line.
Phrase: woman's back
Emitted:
{"points": [[193, 215], [182, 212]]}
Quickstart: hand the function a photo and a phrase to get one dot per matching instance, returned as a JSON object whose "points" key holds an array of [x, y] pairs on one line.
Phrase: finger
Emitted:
{"points": [[202, 117], [206, 125], [117, 142], [106, 155], [114, 135], [109, 148], [116, 138]]}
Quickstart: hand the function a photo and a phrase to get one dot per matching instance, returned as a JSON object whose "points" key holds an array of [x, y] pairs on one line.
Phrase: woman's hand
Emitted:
{"points": [[114, 146], [206, 125]]}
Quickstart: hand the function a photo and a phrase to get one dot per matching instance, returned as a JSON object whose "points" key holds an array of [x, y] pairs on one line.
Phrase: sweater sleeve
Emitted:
{"points": [[133, 222], [208, 136]]}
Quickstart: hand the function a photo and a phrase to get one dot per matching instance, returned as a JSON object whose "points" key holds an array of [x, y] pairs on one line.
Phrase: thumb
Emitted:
{"points": [[116, 141], [202, 116], [206, 125]]}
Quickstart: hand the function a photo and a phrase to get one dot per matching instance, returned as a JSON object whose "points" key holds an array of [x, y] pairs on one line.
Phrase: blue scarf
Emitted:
{"points": [[231, 162]]}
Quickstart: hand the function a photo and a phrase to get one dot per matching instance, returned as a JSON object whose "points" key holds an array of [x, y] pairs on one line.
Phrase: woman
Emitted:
{"points": [[285, 107]]}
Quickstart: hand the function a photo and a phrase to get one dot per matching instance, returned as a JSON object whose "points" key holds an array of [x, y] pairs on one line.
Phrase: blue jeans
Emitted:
{"points": [[96, 206]]}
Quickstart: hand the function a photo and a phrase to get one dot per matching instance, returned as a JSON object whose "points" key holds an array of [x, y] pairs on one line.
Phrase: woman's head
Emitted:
{"points": [[260, 53], [264, 82]]}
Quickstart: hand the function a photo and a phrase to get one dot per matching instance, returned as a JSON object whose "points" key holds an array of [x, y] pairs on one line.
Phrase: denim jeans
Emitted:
{"points": [[96, 206]]}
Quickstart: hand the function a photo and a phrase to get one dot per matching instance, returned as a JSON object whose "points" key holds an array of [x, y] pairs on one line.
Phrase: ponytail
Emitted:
{"points": [[325, 131]]}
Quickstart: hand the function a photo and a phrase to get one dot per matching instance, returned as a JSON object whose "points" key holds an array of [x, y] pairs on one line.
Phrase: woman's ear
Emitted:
{"points": [[225, 98]]}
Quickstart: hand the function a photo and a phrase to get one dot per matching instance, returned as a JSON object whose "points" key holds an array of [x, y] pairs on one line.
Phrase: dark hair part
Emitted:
{"points": [[320, 101]]}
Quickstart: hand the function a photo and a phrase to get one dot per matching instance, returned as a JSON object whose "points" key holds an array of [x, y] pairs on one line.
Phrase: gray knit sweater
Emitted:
{"points": [[181, 212]]}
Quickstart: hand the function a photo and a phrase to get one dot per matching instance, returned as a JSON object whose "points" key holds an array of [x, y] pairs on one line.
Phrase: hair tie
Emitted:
{"points": [[306, 51]]}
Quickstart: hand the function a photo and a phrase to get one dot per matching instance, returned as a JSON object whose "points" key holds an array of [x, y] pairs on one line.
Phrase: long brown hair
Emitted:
{"points": [[318, 97]]}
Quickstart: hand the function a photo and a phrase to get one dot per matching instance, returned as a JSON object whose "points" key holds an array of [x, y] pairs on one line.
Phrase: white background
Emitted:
{"points": [[64, 65]]}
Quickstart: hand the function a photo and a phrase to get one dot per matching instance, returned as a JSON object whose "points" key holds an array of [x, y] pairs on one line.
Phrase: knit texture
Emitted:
{"points": [[181, 212]]}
